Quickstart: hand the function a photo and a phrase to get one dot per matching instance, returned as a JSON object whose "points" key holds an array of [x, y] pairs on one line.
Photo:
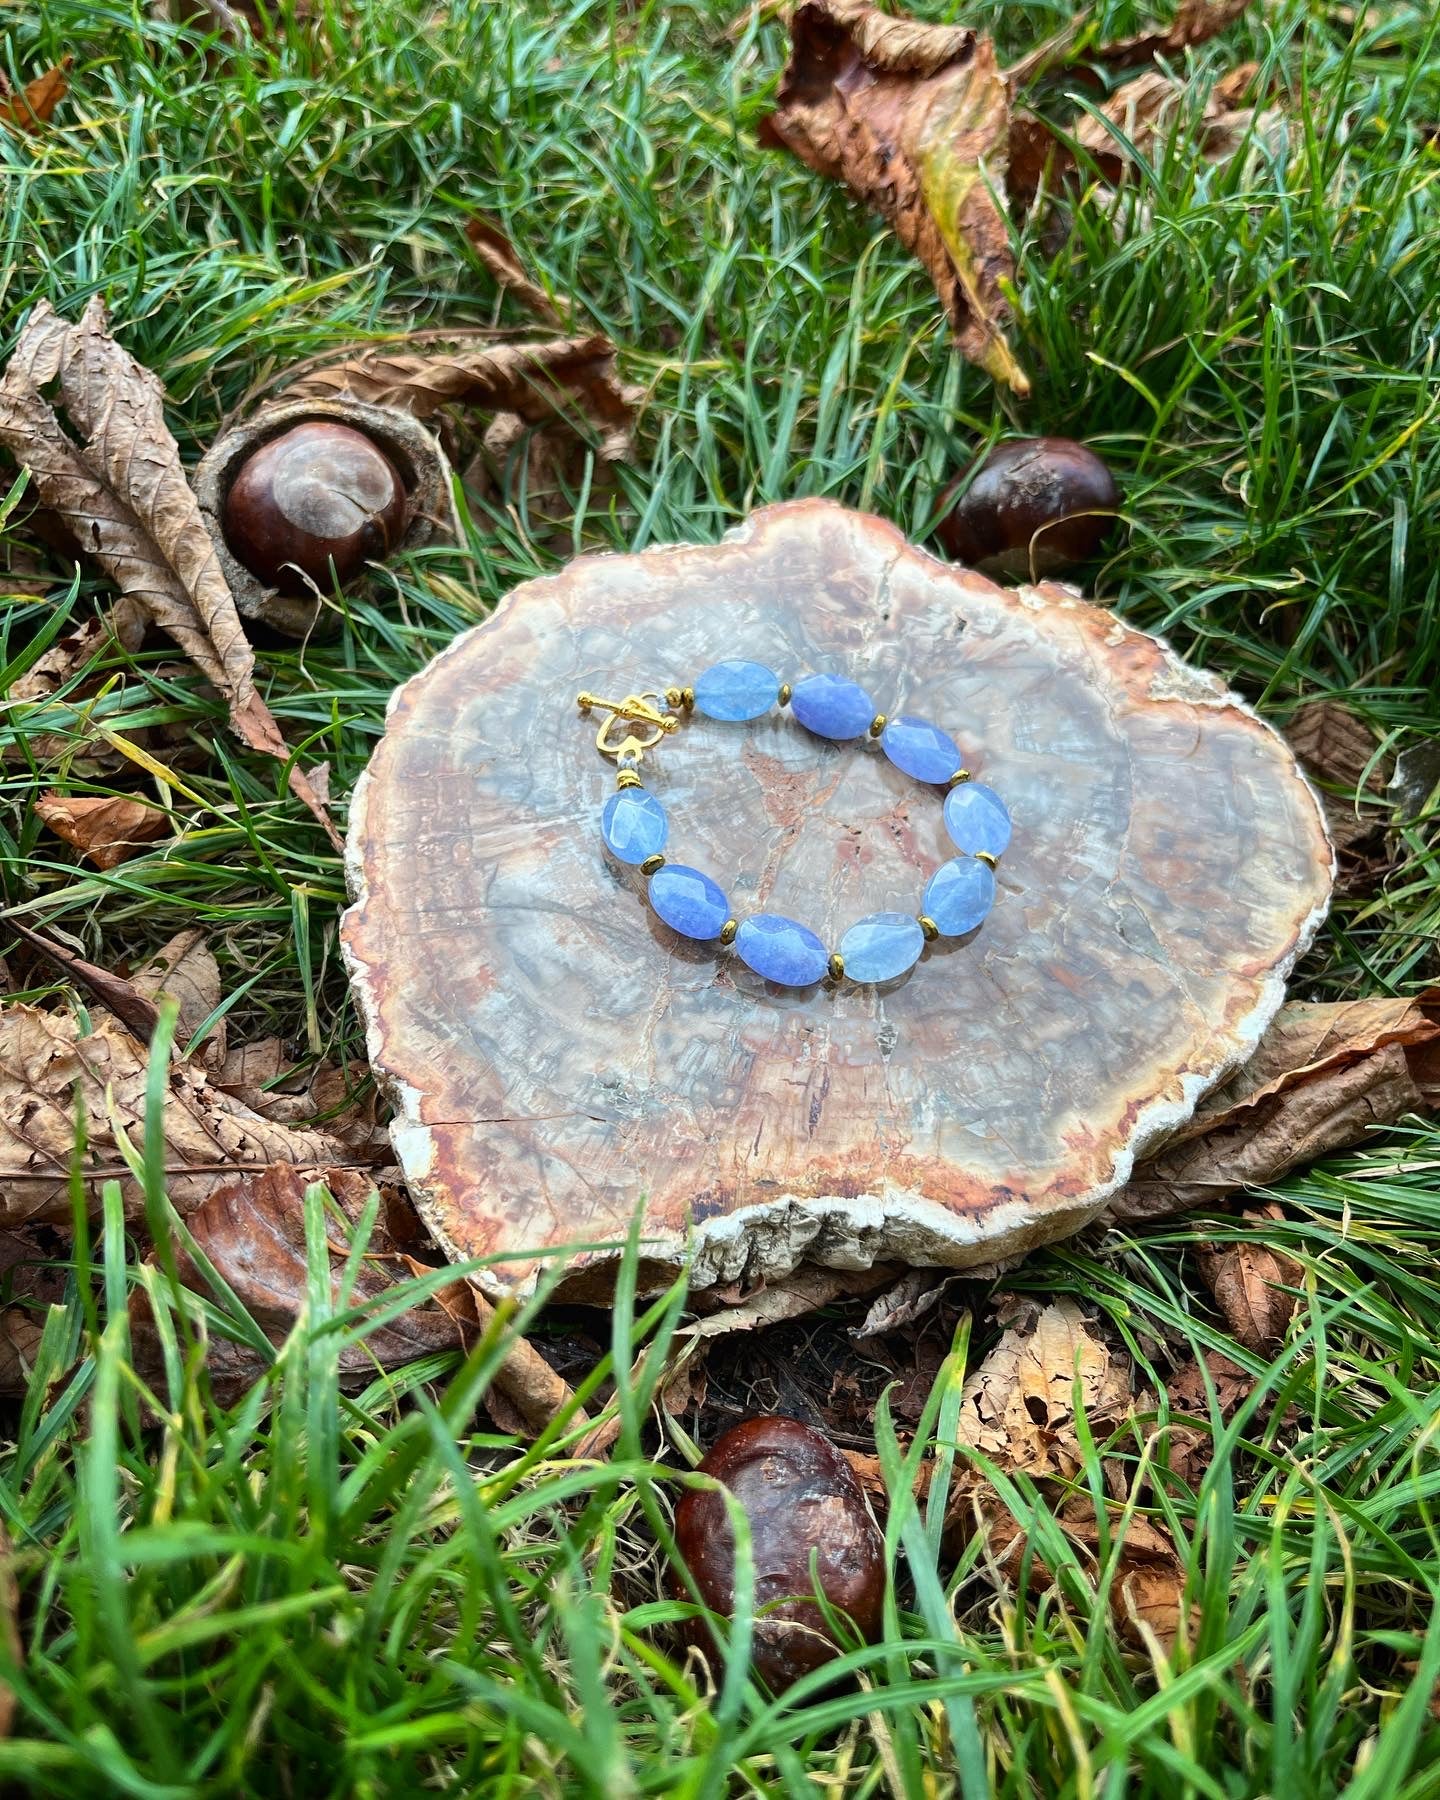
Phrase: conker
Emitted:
{"points": [[1033, 507], [319, 493], [799, 1495]]}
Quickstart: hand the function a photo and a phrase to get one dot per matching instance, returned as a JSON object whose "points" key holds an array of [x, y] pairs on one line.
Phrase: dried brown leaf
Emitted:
{"points": [[184, 970], [1249, 1281], [48, 1064], [1323, 1076], [136, 1011], [1194, 23], [503, 261], [568, 380], [253, 1231], [106, 830], [73, 650], [121, 491], [804, 1291], [1145, 112], [916, 1292], [1146, 1571], [1189, 1449], [915, 120], [34, 105], [1018, 1408]]}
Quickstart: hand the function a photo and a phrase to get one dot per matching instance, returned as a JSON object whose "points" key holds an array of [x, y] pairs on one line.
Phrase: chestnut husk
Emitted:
{"points": [[407, 443]]}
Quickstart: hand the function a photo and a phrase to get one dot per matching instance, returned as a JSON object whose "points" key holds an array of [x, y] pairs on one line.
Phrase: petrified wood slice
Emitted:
{"points": [[557, 1057]]}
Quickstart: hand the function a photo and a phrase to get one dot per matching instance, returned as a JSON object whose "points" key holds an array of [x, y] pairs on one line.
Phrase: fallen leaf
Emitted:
{"points": [[1146, 111], [911, 1298], [1323, 1076], [342, 1102], [503, 261], [571, 379], [1341, 751], [135, 1010], [185, 971], [1018, 1408], [106, 830], [1336, 744], [803, 1291], [49, 1063], [253, 1230], [915, 120], [1190, 1449], [1194, 23], [37, 100], [1147, 1572], [122, 494], [1249, 1280]]}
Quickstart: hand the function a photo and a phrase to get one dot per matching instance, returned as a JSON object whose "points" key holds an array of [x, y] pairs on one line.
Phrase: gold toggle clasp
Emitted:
{"points": [[634, 709]]}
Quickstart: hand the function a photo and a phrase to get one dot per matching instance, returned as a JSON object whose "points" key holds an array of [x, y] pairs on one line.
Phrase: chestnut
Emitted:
{"points": [[319, 494], [1034, 506], [800, 1496]]}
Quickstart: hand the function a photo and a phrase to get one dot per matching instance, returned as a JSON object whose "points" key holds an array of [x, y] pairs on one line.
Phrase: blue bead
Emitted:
{"points": [[832, 707], [959, 894], [920, 749], [736, 690], [633, 825], [781, 950], [688, 901], [882, 946], [977, 819]]}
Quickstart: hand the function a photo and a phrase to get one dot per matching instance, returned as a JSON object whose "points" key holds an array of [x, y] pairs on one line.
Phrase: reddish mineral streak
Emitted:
{"points": [[800, 1498], [556, 1055]]}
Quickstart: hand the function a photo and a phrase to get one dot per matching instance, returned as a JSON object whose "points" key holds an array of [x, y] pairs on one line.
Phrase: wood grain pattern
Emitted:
{"points": [[557, 1056]]}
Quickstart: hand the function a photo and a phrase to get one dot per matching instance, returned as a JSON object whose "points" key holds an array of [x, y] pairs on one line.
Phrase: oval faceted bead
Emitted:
{"points": [[832, 707], [920, 749], [882, 946], [977, 819], [633, 825], [688, 901], [736, 691], [781, 950], [959, 894]]}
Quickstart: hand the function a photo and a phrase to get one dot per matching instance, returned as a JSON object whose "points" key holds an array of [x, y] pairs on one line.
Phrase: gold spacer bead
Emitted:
{"points": [[985, 857], [651, 864], [673, 695], [878, 724], [687, 698], [929, 927], [959, 776], [785, 692], [837, 966], [728, 930], [627, 778]]}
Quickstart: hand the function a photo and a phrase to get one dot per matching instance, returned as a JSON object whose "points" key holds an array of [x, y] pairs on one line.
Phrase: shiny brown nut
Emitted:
{"points": [[799, 1495], [318, 494], [1035, 506]]}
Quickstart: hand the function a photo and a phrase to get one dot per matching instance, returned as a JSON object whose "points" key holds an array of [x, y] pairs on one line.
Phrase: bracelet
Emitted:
{"points": [[880, 947]]}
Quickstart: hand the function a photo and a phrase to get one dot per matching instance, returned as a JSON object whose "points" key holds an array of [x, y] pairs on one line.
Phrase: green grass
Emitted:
{"points": [[317, 1593]]}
